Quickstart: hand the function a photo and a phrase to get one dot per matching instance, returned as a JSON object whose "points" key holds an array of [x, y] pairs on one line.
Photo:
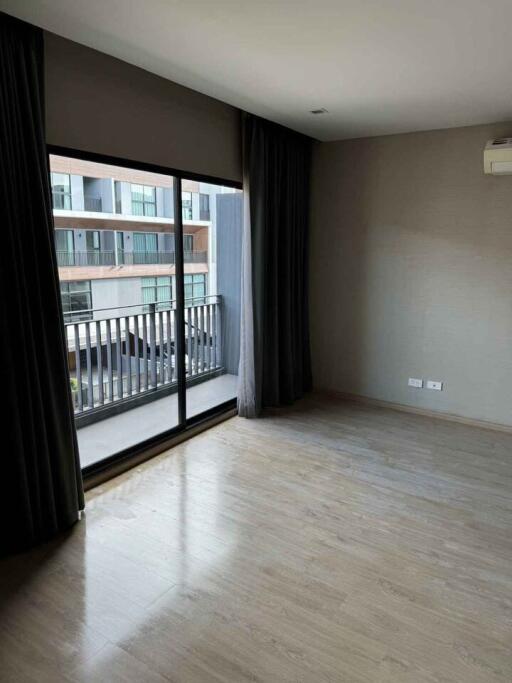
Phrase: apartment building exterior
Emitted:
{"points": [[114, 237]]}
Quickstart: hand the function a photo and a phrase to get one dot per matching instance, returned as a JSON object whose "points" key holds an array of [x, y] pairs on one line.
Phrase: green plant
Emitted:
{"points": [[73, 383]]}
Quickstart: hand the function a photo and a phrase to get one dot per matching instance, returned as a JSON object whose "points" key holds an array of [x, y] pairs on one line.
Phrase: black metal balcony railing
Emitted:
{"points": [[112, 359], [125, 258], [155, 257], [129, 258], [85, 258], [92, 204]]}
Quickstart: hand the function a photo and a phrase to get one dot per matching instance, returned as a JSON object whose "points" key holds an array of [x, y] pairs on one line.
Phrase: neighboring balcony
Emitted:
{"points": [[67, 259], [130, 258], [85, 258]]}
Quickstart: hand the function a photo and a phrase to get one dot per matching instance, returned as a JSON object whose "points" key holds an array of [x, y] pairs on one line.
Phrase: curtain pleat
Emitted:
{"points": [[275, 365], [40, 479]]}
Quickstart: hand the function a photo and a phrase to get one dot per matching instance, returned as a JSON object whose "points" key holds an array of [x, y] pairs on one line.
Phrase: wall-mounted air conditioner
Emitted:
{"points": [[498, 157]]}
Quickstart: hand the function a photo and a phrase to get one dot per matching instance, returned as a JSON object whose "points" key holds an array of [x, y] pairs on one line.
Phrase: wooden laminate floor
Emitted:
{"points": [[330, 542]]}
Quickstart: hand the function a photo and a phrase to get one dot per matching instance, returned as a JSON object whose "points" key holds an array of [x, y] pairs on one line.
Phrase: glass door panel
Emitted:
{"points": [[65, 247], [92, 243], [212, 272], [120, 323]]}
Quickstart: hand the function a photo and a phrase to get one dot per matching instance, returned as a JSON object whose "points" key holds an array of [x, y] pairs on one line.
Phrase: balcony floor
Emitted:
{"points": [[102, 439]]}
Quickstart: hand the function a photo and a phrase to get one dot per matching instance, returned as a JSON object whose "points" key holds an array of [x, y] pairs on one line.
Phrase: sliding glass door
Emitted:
{"points": [[118, 295], [151, 298], [212, 231]]}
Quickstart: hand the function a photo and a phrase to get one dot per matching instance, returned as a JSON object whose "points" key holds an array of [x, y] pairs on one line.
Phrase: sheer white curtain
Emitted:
{"points": [[246, 371]]}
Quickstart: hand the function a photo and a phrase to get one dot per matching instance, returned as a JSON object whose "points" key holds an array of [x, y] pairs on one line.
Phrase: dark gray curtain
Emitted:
{"points": [[40, 480], [275, 256]]}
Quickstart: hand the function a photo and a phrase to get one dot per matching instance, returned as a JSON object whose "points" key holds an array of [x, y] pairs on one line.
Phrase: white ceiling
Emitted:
{"points": [[378, 66]]}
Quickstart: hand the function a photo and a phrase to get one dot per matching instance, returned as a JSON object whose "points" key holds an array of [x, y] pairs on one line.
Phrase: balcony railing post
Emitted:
{"points": [[208, 338], [219, 332], [78, 367], [214, 335], [188, 319], [202, 328], [110, 373], [88, 360], [161, 339], [145, 349], [128, 354], [136, 351], [119, 360], [99, 364], [152, 343], [196, 340]]}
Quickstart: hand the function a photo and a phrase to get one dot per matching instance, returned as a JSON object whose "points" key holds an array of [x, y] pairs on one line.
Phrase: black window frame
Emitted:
{"points": [[126, 458]]}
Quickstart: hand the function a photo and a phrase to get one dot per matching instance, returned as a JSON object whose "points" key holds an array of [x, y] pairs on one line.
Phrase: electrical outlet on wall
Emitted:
{"points": [[432, 384], [417, 383]]}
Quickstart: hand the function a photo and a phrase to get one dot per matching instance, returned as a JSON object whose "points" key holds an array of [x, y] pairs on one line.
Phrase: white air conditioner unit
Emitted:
{"points": [[498, 157]]}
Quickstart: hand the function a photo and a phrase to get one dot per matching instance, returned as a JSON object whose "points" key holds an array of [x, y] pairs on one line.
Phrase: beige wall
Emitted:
{"points": [[97, 103], [411, 271]]}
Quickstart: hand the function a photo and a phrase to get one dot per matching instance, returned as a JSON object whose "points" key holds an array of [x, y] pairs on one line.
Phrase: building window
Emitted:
{"points": [[186, 205], [92, 194], [92, 244], [65, 247], [143, 200], [76, 301], [195, 289], [61, 190], [117, 196], [157, 290], [145, 247], [204, 207], [120, 247], [188, 243]]}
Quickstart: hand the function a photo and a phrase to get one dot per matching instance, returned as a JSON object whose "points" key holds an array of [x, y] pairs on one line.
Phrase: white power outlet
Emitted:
{"points": [[431, 384], [417, 383]]}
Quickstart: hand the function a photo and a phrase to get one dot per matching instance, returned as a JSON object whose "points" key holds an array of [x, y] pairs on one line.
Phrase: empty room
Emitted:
{"points": [[256, 341]]}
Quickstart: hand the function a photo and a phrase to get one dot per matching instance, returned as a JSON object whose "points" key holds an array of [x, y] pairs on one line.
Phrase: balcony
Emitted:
{"points": [[66, 259], [85, 258], [106, 438], [125, 362], [159, 257]]}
